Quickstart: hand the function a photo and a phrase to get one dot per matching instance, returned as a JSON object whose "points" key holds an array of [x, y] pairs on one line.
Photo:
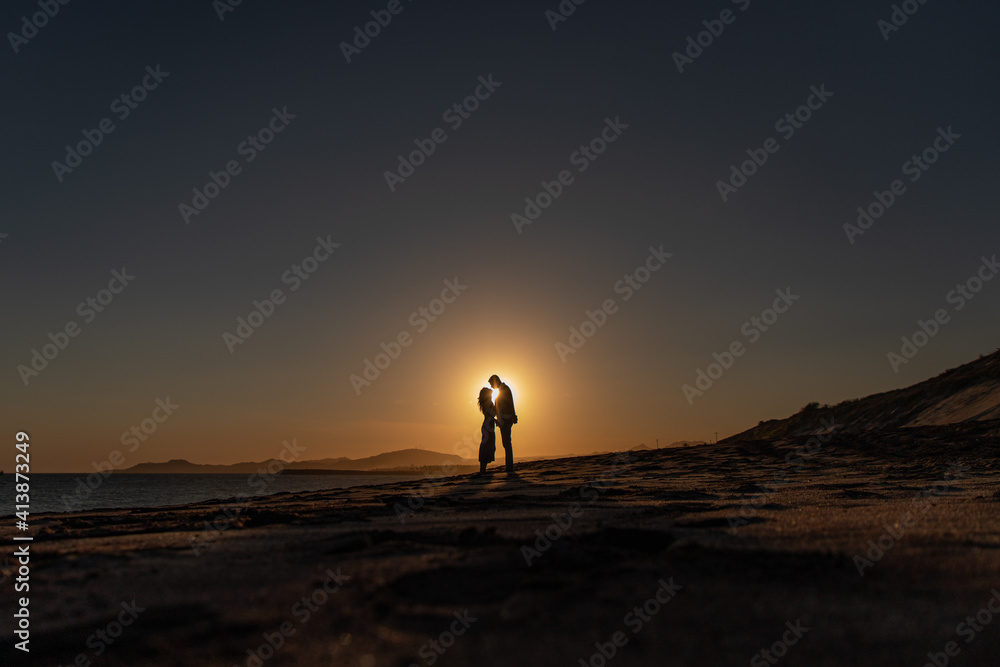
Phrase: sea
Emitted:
{"points": [[54, 492]]}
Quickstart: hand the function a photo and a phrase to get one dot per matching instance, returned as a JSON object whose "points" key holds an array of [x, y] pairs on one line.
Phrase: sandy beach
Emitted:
{"points": [[695, 556]]}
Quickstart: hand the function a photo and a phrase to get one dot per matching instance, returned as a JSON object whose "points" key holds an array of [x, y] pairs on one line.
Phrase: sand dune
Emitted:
{"points": [[970, 392]]}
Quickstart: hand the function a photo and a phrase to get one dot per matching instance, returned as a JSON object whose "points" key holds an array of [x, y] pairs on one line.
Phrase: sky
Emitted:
{"points": [[653, 246]]}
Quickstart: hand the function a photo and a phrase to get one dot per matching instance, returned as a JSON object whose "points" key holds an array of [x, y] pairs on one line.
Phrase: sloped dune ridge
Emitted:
{"points": [[970, 392]]}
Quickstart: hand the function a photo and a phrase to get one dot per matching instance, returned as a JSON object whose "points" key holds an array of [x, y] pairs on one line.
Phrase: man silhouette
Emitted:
{"points": [[506, 417]]}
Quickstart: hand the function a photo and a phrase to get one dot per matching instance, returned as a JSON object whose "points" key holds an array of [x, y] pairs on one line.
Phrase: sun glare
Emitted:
{"points": [[478, 379]]}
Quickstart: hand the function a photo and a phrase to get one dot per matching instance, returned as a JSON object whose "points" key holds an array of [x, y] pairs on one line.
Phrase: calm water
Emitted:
{"points": [[63, 492]]}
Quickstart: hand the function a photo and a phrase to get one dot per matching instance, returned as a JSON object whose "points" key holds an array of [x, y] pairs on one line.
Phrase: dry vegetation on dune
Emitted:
{"points": [[970, 392]]}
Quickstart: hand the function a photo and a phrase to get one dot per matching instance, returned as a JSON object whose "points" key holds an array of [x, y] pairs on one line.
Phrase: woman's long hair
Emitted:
{"points": [[485, 399]]}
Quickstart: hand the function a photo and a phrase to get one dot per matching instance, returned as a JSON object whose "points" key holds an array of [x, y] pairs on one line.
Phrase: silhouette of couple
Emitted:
{"points": [[499, 414]]}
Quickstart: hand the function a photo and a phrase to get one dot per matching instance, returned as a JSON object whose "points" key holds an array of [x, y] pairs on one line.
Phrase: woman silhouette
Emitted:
{"points": [[488, 445]]}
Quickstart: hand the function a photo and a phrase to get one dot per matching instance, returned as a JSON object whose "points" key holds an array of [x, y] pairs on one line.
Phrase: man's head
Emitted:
{"points": [[495, 381]]}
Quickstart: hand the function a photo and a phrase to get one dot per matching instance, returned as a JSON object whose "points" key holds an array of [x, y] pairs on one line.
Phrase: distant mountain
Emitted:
{"points": [[184, 466], [970, 392], [403, 459]]}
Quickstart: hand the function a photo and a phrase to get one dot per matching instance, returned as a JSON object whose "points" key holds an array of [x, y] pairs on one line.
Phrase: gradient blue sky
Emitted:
{"points": [[323, 175]]}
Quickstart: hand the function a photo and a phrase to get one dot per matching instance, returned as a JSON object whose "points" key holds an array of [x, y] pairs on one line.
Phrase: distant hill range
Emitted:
{"points": [[404, 459], [968, 393]]}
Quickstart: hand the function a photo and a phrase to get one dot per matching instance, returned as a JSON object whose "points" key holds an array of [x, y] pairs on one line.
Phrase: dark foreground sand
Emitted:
{"points": [[664, 516]]}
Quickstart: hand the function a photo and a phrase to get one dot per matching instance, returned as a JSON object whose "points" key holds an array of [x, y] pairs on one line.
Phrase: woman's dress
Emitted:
{"points": [[488, 445]]}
